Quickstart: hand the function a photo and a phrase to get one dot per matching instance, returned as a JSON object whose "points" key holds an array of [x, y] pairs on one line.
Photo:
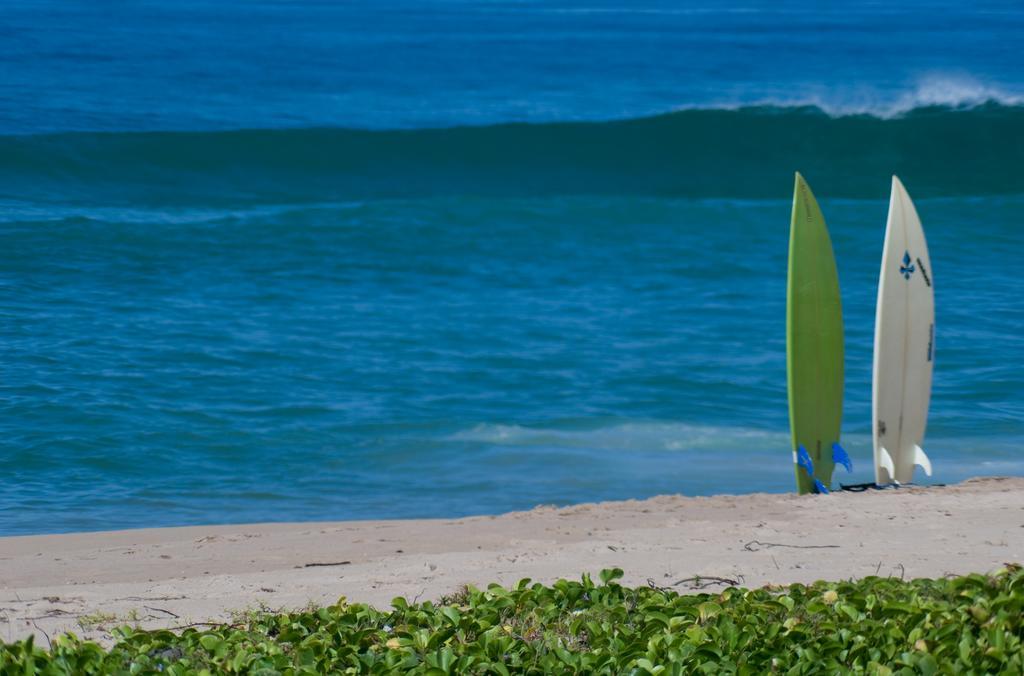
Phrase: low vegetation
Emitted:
{"points": [[969, 624]]}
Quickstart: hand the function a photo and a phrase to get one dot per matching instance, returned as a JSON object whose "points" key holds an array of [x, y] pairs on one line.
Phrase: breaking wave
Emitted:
{"points": [[949, 142]]}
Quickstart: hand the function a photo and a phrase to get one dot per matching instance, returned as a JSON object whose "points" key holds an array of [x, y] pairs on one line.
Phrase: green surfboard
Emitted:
{"points": [[814, 340]]}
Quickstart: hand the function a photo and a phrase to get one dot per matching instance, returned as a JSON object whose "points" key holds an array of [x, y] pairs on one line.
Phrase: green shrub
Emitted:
{"points": [[969, 624]]}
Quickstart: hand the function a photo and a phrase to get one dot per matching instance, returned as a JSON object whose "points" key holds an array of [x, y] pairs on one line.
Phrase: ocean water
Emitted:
{"points": [[273, 261]]}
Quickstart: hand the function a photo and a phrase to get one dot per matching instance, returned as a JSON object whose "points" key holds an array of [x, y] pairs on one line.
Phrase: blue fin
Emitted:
{"points": [[820, 487], [840, 457], [804, 460]]}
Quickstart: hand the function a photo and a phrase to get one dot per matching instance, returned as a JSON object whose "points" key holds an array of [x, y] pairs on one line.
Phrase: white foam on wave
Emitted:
{"points": [[15, 210], [626, 436], [656, 11], [958, 92], [955, 92], [712, 449]]}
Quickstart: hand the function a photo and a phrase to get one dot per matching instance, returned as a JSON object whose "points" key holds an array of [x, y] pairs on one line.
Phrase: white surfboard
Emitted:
{"points": [[904, 345]]}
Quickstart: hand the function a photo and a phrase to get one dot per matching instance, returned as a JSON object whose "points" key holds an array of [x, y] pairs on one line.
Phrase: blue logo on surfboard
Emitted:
{"points": [[907, 268]]}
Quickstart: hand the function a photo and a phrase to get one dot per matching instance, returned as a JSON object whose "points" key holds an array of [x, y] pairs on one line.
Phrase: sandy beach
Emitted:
{"points": [[90, 582]]}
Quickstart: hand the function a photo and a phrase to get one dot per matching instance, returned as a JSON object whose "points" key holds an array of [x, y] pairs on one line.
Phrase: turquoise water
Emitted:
{"points": [[275, 298]]}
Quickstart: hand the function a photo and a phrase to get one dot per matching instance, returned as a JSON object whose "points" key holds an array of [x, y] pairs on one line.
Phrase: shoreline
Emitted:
{"points": [[88, 583]]}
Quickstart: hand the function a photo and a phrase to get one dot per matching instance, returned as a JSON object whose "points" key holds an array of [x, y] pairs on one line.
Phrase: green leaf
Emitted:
{"points": [[452, 614], [210, 642], [708, 610]]}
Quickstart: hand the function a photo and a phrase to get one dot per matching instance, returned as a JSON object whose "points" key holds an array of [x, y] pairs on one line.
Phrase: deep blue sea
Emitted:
{"points": [[309, 260]]}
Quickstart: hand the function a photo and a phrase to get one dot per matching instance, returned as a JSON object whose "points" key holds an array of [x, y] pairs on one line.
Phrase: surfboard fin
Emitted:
{"points": [[803, 459], [885, 462], [921, 459], [841, 457]]}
